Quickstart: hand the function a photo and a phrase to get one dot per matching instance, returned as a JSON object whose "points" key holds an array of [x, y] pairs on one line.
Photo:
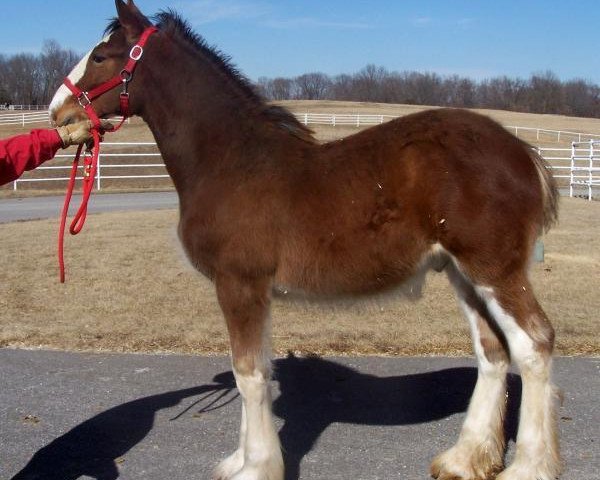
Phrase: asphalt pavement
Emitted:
{"points": [[32, 208], [106, 416]]}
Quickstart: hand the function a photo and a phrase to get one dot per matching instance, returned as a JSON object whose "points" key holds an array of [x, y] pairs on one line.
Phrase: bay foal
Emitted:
{"points": [[264, 207]]}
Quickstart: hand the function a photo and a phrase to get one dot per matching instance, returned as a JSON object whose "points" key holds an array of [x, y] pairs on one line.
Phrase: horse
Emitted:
{"points": [[264, 210]]}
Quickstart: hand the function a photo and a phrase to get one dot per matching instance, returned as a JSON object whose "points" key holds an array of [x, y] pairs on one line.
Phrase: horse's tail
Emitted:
{"points": [[549, 189]]}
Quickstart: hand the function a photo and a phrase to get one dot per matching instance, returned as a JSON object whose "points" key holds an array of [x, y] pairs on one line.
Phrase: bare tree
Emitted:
{"points": [[312, 86], [22, 78], [369, 83], [4, 93], [277, 88], [545, 93], [582, 98], [32, 79], [55, 63], [459, 92], [541, 93]]}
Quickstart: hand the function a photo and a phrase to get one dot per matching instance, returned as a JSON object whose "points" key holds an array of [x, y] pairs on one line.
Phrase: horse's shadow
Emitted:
{"points": [[314, 393], [94, 447]]}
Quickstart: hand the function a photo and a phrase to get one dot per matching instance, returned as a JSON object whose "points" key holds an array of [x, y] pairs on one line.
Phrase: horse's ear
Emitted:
{"points": [[131, 19]]}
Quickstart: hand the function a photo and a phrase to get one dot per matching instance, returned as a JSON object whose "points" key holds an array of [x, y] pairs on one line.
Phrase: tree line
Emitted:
{"points": [[541, 93], [29, 79]]}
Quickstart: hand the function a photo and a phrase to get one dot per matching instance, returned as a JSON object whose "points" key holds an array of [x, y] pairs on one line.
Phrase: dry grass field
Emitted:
{"points": [[129, 290]]}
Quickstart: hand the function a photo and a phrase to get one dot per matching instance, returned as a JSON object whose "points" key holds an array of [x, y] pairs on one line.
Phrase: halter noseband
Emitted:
{"points": [[91, 159], [123, 78]]}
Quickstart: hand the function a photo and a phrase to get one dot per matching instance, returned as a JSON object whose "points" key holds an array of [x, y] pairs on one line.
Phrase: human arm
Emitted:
{"points": [[29, 151], [26, 152]]}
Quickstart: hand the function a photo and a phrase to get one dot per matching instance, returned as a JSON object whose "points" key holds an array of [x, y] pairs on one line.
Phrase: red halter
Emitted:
{"points": [[91, 159]]}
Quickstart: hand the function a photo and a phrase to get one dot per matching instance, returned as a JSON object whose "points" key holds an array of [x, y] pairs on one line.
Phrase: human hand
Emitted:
{"points": [[81, 132]]}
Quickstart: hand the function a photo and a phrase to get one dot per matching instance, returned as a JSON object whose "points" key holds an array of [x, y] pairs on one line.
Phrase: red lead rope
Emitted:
{"points": [[89, 173], [90, 164]]}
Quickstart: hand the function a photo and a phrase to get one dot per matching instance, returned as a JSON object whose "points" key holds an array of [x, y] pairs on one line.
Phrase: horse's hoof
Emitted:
{"points": [[230, 466], [460, 464], [259, 472], [526, 472]]}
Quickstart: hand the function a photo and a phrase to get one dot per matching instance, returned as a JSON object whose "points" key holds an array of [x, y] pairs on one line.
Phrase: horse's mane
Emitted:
{"points": [[171, 22]]}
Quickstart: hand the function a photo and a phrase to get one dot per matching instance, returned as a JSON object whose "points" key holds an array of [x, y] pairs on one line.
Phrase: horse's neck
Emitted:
{"points": [[194, 116]]}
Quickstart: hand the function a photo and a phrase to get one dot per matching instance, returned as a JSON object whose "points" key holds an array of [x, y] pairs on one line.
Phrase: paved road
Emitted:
{"points": [[13, 209], [68, 416]]}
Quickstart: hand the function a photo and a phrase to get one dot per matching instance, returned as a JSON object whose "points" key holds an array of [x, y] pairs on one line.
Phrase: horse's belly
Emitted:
{"points": [[353, 278]]}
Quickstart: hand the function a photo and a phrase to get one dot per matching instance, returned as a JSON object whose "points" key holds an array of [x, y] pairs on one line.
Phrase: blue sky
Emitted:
{"points": [[478, 39]]}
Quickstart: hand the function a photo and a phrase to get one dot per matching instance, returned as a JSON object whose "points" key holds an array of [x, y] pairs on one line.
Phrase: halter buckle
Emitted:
{"points": [[83, 99], [136, 52]]}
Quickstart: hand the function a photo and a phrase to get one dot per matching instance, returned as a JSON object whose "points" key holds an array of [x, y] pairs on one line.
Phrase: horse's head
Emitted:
{"points": [[105, 61]]}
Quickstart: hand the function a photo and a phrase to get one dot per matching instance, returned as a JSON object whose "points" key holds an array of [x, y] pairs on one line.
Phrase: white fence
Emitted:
{"points": [[360, 120], [568, 164], [544, 134], [585, 168], [578, 166], [354, 120], [559, 160], [4, 106], [24, 118], [106, 165]]}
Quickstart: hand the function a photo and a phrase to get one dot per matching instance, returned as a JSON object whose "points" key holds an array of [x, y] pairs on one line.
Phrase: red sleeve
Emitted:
{"points": [[26, 152]]}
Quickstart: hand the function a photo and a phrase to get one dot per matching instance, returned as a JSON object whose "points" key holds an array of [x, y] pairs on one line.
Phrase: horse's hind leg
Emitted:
{"points": [[530, 338], [478, 453], [245, 304]]}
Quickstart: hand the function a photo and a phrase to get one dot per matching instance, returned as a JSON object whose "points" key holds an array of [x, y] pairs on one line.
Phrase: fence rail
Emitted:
{"points": [[23, 107], [559, 135], [24, 118], [568, 165], [334, 119], [104, 165], [585, 167], [359, 120], [559, 160], [577, 167]]}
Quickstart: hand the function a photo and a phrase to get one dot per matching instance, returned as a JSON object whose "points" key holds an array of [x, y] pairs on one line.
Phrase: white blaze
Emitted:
{"points": [[76, 74]]}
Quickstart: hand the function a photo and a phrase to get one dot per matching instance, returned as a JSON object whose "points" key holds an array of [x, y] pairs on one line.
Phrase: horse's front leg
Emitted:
{"points": [[245, 304]]}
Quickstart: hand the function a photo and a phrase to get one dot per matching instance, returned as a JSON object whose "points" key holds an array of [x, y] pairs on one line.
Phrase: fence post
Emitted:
{"points": [[23, 116], [573, 150], [306, 119], [590, 175], [15, 186], [98, 171]]}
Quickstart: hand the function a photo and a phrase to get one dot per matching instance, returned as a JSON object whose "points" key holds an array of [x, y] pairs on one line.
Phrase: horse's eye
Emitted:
{"points": [[98, 58]]}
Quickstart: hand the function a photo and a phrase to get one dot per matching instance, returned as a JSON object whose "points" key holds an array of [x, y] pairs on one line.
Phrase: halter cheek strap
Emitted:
{"points": [[91, 159]]}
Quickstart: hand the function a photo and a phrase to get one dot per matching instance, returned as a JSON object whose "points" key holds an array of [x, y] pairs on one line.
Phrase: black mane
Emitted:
{"points": [[170, 21]]}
